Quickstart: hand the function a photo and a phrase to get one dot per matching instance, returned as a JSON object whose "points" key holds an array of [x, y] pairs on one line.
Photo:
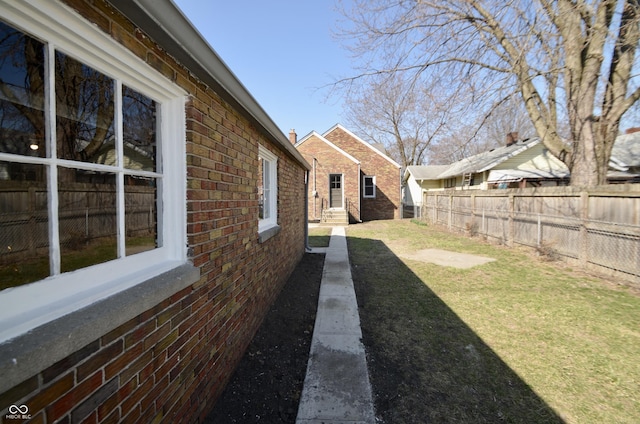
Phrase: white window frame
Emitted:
{"points": [[364, 186], [270, 176], [60, 28]]}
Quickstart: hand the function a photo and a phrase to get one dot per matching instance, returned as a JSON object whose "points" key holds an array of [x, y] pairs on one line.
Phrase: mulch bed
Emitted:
{"points": [[267, 384]]}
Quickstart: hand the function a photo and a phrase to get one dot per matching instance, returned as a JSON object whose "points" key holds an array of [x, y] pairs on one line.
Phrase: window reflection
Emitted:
{"points": [[24, 236], [21, 94], [89, 225], [139, 130], [87, 218], [141, 214], [85, 111]]}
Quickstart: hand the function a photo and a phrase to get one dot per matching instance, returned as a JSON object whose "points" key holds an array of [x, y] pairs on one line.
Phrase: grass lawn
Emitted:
{"points": [[319, 236], [515, 340]]}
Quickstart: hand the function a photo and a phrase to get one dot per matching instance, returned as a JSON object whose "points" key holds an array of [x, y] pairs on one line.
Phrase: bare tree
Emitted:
{"points": [[510, 116], [570, 61], [393, 111], [489, 132]]}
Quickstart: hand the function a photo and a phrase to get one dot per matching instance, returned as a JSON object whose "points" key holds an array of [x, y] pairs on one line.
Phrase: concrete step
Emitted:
{"points": [[335, 217]]}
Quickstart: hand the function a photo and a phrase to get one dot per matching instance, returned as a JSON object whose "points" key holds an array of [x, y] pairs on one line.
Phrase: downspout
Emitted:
{"points": [[315, 191], [401, 206], [307, 248], [359, 193]]}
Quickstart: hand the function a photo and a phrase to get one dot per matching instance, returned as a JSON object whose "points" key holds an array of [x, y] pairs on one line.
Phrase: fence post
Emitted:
{"points": [[484, 228], [511, 222], [583, 254], [450, 211], [539, 231], [473, 211]]}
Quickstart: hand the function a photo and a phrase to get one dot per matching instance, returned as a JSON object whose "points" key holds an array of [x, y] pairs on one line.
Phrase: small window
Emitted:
{"points": [[267, 189], [369, 183]]}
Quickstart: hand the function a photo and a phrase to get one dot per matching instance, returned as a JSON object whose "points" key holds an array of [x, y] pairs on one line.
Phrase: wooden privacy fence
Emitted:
{"points": [[86, 212], [599, 228]]}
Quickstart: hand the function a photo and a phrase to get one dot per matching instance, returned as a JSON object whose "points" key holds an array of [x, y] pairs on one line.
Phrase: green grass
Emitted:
{"points": [[319, 236], [99, 251], [515, 340]]}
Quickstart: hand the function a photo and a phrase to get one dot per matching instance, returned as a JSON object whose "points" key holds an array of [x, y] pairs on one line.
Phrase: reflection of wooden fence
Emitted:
{"points": [[599, 228], [86, 212]]}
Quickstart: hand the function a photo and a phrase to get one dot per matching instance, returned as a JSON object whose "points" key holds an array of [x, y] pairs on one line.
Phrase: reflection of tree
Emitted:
{"points": [[22, 90], [85, 109], [139, 121], [84, 98]]}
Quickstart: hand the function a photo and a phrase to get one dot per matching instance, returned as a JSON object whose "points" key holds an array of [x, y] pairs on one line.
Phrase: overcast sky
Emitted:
{"points": [[283, 53]]}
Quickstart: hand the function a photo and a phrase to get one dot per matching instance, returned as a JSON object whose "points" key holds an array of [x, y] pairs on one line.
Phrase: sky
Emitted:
{"points": [[282, 51]]}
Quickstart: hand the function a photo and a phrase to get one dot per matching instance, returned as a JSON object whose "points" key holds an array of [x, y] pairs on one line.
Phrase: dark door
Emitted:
{"points": [[335, 190]]}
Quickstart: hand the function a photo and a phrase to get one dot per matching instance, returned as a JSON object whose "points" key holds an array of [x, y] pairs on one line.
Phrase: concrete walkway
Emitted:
{"points": [[336, 387]]}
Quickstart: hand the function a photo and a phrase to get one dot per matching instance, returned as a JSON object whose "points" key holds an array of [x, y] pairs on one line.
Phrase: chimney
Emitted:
{"points": [[512, 138], [293, 137]]}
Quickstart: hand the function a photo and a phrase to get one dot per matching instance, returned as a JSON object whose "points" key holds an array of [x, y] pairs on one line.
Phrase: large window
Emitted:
{"points": [[83, 183], [267, 189], [98, 164]]}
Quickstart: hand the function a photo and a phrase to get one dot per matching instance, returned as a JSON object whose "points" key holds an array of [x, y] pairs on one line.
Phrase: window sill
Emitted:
{"points": [[266, 233], [28, 354]]}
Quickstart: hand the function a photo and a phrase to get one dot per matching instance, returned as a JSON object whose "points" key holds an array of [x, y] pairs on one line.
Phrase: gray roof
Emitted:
{"points": [[626, 152], [625, 155], [487, 160], [428, 172]]}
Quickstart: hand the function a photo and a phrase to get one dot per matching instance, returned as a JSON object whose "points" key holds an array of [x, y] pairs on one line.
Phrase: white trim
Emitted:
{"points": [[364, 187], [330, 144], [168, 26], [272, 219], [394, 163], [29, 306]]}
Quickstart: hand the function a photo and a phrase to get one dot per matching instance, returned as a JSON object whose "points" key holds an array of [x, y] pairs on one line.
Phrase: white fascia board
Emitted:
{"points": [[394, 163], [167, 25], [330, 144]]}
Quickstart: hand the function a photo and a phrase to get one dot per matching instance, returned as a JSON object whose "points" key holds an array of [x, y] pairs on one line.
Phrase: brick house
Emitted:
{"points": [[150, 213], [350, 180]]}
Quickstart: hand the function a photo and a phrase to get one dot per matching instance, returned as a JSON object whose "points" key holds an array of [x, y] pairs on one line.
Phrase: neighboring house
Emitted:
{"points": [[624, 165], [416, 179], [518, 164], [150, 213], [350, 180]]}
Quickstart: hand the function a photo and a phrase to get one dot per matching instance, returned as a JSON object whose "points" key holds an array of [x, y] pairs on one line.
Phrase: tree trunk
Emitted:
{"points": [[584, 172]]}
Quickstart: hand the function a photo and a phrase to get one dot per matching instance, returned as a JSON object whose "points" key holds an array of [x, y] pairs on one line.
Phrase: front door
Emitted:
{"points": [[335, 191]]}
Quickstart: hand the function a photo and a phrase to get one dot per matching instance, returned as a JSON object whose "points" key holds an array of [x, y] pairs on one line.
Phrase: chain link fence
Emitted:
{"points": [[600, 229], [83, 216]]}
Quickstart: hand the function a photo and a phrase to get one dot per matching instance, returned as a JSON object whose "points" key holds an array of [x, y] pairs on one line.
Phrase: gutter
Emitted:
{"points": [[165, 23]]}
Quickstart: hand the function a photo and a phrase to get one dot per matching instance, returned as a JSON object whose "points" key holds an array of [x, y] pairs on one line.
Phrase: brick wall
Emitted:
{"points": [[329, 161], [386, 204], [171, 362]]}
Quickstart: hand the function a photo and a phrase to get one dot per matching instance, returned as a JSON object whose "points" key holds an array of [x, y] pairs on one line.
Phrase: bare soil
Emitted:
{"points": [[267, 384]]}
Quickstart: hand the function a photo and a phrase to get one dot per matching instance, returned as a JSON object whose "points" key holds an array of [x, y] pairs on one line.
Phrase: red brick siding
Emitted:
{"points": [[386, 204], [170, 363], [329, 161]]}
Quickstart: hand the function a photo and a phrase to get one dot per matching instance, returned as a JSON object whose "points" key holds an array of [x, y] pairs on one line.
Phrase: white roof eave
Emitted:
{"points": [[169, 27]]}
